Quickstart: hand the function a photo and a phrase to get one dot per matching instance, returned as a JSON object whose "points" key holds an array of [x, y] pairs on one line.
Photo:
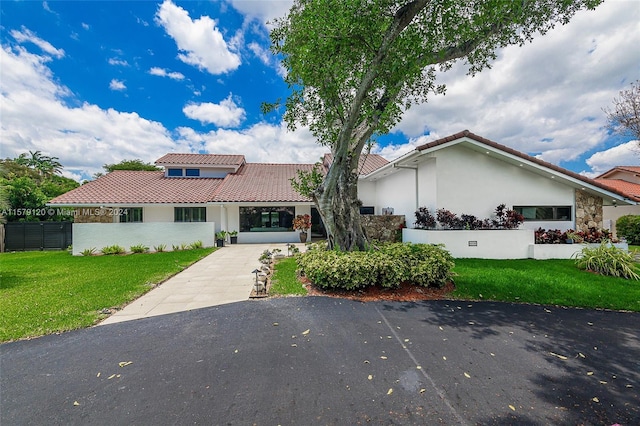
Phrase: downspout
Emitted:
{"points": [[415, 168]]}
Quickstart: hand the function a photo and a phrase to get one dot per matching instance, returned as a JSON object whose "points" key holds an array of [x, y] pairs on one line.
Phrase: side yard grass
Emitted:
{"points": [[545, 282], [48, 292]]}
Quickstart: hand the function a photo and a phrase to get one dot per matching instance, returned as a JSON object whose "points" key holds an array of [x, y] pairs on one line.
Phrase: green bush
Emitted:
{"points": [[114, 249], [607, 259], [196, 245], [388, 266], [160, 248], [628, 227], [140, 248], [88, 251]]}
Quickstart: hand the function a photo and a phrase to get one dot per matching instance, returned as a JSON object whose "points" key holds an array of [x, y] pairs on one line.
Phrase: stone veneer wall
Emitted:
{"points": [[383, 227], [588, 211], [93, 215]]}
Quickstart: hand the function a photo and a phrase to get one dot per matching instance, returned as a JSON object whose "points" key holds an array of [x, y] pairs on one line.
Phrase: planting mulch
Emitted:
{"points": [[405, 293]]}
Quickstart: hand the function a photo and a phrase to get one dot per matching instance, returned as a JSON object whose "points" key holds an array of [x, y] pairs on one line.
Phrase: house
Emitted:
{"points": [[199, 194], [625, 179]]}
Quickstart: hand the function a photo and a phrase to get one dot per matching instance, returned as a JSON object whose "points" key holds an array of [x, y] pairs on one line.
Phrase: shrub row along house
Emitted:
{"points": [[198, 195]]}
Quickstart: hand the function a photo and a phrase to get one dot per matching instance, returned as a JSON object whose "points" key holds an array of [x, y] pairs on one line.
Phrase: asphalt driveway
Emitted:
{"points": [[317, 360]]}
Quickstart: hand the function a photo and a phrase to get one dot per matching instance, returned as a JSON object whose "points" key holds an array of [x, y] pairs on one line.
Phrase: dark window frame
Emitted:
{"points": [[189, 214], [554, 216], [174, 172], [131, 215], [367, 210], [192, 172], [266, 218]]}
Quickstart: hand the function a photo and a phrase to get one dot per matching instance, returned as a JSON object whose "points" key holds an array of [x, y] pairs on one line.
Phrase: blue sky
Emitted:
{"points": [[98, 82]]}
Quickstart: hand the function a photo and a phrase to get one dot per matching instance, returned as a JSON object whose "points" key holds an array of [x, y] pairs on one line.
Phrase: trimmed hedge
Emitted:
{"points": [[628, 227], [388, 266]]}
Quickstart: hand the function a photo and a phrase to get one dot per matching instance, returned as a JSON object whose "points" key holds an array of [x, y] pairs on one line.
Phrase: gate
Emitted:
{"points": [[24, 236]]}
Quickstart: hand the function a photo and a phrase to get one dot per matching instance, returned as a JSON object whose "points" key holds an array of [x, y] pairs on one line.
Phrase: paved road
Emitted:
{"points": [[317, 360]]}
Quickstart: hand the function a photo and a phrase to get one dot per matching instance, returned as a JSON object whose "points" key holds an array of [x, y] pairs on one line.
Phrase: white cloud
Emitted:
{"points": [[263, 11], [161, 72], [544, 98], [224, 114], [263, 54], [627, 154], [260, 143], [118, 62], [117, 85], [85, 26], [27, 35], [200, 41], [35, 117]]}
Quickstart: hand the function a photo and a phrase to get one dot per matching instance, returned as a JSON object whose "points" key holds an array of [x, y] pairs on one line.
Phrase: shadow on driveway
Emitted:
{"points": [[317, 360]]}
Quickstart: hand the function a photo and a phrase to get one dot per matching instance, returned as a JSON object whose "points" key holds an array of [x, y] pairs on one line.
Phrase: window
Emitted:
{"points": [[190, 214], [544, 213], [174, 172], [266, 219], [367, 210], [192, 172], [131, 214]]}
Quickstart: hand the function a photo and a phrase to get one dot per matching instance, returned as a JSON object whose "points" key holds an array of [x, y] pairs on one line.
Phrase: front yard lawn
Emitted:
{"points": [[48, 292], [546, 282]]}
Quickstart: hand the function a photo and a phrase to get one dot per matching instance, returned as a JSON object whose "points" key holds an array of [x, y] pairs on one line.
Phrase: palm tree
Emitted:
{"points": [[44, 164]]}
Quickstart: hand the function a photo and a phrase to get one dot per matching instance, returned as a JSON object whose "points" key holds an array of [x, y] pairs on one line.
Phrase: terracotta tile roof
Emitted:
{"points": [[260, 182], [632, 190], [468, 134], [202, 159], [630, 169], [137, 187], [367, 163]]}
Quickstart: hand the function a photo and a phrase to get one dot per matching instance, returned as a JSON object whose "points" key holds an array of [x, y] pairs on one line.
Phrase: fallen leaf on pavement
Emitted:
{"points": [[390, 391], [304, 333], [125, 363], [512, 407], [559, 356], [76, 403], [467, 375]]}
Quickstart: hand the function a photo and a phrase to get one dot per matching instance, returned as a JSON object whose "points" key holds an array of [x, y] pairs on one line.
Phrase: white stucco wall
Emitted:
{"points": [[486, 244], [472, 182], [465, 181], [99, 235], [398, 192], [367, 193]]}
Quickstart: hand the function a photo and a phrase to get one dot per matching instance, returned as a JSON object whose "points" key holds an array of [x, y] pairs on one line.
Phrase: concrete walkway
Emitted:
{"points": [[225, 276]]}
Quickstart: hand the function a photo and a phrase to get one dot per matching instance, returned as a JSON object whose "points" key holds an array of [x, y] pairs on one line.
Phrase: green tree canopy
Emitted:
{"points": [[130, 165], [27, 190], [353, 68]]}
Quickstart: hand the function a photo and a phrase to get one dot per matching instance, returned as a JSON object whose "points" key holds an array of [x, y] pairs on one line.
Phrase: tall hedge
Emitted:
{"points": [[628, 227]]}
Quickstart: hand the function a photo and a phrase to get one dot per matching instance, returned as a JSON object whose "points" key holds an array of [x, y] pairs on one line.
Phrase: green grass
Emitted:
{"points": [[548, 282], [284, 281], [48, 292]]}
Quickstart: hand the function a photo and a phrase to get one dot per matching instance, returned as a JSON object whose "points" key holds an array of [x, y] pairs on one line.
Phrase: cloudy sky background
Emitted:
{"points": [[98, 82]]}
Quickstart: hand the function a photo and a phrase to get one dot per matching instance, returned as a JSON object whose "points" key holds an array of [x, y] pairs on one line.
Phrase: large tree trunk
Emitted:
{"points": [[339, 206]]}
